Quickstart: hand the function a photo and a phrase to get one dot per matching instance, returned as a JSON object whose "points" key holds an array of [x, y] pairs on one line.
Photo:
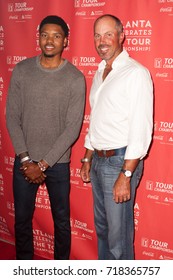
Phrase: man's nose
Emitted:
{"points": [[50, 39], [102, 38]]}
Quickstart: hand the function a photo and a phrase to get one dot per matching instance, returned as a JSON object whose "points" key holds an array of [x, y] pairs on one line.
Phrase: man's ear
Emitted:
{"points": [[65, 42], [122, 37]]}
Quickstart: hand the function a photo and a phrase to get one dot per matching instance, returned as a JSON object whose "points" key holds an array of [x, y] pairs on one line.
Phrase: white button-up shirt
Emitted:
{"points": [[121, 108]]}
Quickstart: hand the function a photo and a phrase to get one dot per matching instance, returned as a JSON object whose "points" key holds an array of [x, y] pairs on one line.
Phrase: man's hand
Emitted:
{"points": [[32, 173], [121, 189], [85, 172]]}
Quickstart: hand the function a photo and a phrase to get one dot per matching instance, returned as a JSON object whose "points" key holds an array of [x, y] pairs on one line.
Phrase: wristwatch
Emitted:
{"points": [[127, 173], [85, 160]]}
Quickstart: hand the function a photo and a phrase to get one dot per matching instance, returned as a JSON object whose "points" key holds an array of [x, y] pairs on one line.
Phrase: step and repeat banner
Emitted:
{"points": [[148, 28]]}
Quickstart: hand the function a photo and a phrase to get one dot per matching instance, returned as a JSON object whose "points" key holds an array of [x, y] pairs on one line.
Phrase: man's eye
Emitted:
{"points": [[57, 36], [109, 34], [43, 35], [96, 36]]}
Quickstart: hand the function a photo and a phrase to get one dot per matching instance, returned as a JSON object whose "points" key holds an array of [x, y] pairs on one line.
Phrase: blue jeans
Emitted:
{"points": [[58, 186], [114, 222]]}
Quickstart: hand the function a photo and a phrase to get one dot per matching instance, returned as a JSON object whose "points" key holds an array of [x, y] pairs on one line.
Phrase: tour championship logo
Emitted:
{"points": [[15, 59], [164, 66], [19, 7], [12, 60], [157, 245], [164, 63], [85, 61], [138, 35], [89, 3], [81, 230], [163, 131], [19, 11], [160, 192]]}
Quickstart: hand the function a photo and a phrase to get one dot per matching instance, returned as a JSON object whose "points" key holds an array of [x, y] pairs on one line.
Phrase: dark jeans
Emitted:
{"points": [[58, 186]]}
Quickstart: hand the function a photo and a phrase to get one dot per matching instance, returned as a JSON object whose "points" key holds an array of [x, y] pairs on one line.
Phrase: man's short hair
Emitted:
{"points": [[118, 23], [55, 20]]}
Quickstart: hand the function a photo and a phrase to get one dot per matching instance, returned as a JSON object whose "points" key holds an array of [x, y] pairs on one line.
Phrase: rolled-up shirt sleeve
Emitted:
{"points": [[140, 114]]}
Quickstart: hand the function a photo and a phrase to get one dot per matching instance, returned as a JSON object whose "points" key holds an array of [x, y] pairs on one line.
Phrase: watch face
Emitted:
{"points": [[128, 173]]}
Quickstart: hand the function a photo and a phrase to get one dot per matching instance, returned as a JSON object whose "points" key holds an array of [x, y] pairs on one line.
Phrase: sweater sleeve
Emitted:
{"points": [[14, 113], [74, 118]]}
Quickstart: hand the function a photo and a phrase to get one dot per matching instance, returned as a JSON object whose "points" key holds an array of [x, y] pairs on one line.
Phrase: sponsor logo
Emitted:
{"points": [[149, 185], [166, 9], [155, 197], [166, 130], [161, 63], [15, 59], [89, 3], [138, 35], [9, 160], [82, 225], [19, 7], [164, 187], [84, 61], [75, 172], [161, 257], [145, 242], [149, 254], [159, 187], [166, 126], [17, 11], [156, 245], [162, 75], [82, 13], [163, 126]]}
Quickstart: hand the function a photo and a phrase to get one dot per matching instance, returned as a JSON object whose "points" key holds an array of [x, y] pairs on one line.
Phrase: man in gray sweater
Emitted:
{"points": [[45, 106]]}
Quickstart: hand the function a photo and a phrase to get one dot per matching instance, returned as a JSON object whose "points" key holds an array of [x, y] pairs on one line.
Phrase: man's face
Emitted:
{"points": [[52, 40], [108, 42]]}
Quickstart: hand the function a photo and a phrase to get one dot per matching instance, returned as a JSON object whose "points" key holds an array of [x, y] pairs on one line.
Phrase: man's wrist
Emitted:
{"points": [[43, 165], [85, 159], [127, 172], [24, 158]]}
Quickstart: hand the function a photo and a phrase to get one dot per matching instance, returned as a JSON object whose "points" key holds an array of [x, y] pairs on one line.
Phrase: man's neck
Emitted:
{"points": [[50, 62]]}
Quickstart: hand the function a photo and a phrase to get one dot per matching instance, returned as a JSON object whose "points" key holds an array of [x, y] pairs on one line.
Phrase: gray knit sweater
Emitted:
{"points": [[45, 109]]}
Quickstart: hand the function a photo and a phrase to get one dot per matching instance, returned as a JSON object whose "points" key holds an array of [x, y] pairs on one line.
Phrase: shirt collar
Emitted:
{"points": [[119, 59]]}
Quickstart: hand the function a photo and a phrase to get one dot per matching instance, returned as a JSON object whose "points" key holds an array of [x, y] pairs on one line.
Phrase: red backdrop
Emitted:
{"points": [[148, 27]]}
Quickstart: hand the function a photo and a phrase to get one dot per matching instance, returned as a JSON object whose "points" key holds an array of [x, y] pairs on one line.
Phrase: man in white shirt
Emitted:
{"points": [[119, 136]]}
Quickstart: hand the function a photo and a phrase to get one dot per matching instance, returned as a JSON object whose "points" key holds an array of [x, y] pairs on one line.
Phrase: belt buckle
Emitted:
{"points": [[104, 153]]}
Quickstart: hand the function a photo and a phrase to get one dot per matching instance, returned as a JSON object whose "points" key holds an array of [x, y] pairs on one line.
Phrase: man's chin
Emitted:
{"points": [[48, 55]]}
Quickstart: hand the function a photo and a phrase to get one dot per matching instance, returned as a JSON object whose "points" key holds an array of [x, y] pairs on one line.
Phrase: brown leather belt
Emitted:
{"points": [[110, 153]]}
